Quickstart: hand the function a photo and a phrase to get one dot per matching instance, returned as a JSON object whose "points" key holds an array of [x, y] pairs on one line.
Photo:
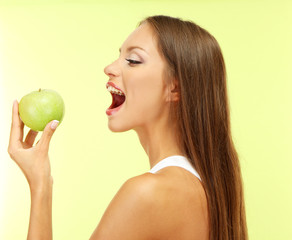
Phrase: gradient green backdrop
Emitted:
{"points": [[64, 45]]}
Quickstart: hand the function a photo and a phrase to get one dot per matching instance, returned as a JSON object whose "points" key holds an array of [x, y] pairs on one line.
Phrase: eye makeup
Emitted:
{"points": [[131, 61]]}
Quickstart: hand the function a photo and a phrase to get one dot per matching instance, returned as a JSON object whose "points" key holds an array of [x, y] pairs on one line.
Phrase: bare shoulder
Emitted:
{"points": [[183, 202], [127, 216], [151, 206], [142, 185]]}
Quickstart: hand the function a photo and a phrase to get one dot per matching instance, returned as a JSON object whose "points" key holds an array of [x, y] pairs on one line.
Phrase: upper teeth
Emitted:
{"points": [[114, 90]]}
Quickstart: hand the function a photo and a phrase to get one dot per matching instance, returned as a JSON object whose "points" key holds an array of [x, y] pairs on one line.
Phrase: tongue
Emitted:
{"points": [[117, 100]]}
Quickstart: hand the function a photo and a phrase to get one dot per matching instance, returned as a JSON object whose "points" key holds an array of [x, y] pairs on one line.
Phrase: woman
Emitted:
{"points": [[169, 85]]}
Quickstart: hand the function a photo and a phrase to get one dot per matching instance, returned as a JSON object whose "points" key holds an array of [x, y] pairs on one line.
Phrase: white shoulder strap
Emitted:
{"points": [[175, 161]]}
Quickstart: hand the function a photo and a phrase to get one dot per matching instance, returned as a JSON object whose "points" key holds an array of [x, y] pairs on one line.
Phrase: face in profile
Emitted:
{"points": [[136, 81]]}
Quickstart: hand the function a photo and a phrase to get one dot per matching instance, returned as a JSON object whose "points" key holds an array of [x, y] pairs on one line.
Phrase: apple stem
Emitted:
{"points": [[39, 90]]}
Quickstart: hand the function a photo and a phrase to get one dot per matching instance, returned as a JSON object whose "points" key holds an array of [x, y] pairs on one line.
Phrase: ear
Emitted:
{"points": [[174, 93]]}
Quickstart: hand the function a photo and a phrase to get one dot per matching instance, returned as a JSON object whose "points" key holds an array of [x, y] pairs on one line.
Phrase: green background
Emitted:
{"points": [[65, 45]]}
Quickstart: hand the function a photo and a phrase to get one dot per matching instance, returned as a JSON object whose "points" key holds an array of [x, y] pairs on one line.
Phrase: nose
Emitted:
{"points": [[112, 70]]}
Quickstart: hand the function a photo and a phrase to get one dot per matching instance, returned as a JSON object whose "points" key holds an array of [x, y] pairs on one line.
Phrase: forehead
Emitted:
{"points": [[142, 37]]}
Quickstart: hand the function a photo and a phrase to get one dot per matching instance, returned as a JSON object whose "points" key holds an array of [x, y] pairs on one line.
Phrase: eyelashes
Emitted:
{"points": [[131, 61]]}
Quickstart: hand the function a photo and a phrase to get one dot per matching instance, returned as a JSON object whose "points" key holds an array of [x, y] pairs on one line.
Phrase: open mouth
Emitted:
{"points": [[118, 98]]}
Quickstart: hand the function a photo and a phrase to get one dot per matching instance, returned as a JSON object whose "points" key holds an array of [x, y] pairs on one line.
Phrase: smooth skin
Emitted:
{"points": [[34, 162], [170, 204]]}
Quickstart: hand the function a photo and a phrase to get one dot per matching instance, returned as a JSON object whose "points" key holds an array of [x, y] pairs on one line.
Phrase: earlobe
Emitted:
{"points": [[174, 93]]}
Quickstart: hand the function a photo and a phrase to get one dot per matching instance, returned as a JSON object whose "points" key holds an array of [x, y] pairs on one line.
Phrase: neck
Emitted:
{"points": [[159, 141]]}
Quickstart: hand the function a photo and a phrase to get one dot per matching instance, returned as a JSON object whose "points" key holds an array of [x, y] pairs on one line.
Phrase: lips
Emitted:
{"points": [[118, 98]]}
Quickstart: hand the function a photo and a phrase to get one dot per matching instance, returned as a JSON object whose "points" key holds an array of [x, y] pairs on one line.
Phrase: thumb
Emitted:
{"points": [[47, 134]]}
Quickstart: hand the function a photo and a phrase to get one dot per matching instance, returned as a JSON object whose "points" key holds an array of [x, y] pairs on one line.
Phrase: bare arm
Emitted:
{"points": [[40, 224], [35, 164]]}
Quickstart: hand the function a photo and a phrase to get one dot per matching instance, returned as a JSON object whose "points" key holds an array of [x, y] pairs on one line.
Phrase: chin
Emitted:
{"points": [[118, 127]]}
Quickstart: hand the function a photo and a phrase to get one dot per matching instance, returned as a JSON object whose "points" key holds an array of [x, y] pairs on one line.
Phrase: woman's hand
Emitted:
{"points": [[32, 160]]}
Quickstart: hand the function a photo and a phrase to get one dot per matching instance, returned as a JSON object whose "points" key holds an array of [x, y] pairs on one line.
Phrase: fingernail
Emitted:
{"points": [[54, 124]]}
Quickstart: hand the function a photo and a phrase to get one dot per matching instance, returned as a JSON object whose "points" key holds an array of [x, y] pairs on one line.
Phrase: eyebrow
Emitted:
{"points": [[133, 47]]}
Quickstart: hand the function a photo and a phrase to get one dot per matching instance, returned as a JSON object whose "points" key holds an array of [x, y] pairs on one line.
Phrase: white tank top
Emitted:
{"points": [[175, 161]]}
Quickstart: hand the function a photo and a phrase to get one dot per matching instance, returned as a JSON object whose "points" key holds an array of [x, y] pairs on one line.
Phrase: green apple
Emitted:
{"points": [[38, 108]]}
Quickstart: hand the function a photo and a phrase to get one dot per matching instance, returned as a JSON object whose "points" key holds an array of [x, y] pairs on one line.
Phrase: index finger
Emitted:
{"points": [[16, 133]]}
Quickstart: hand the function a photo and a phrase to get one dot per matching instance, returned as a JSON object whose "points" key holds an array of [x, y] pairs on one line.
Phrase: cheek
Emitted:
{"points": [[146, 103]]}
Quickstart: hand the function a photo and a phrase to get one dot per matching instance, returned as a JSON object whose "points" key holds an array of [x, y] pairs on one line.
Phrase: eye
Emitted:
{"points": [[131, 61]]}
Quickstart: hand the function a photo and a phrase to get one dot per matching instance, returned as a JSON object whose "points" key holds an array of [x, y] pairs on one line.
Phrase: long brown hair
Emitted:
{"points": [[194, 59]]}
